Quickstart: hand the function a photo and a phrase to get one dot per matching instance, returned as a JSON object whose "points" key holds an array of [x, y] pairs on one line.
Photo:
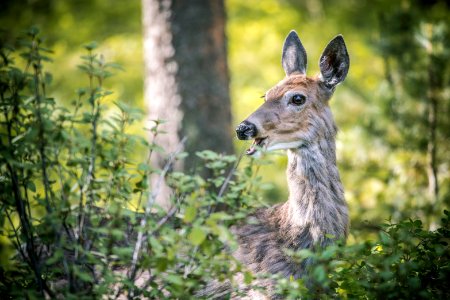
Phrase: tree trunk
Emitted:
{"points": [[186, 77]]}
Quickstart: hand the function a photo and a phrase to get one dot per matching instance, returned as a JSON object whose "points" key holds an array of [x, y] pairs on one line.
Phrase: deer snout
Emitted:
{"points": [[246, 131]]}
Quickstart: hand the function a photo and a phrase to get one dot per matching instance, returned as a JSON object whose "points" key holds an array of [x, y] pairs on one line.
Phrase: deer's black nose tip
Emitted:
{"points": [[246, 131]]}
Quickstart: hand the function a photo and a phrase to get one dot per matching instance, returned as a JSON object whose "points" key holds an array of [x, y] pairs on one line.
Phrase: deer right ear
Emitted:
{"points": [[294, 55]]}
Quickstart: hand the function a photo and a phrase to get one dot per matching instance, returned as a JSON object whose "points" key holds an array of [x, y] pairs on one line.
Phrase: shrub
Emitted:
{"points": [[78, 209], [404, 262], [79, 220]]}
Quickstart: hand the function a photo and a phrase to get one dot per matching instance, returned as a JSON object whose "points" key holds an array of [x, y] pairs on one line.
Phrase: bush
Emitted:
{"points": [[79, 219], [73, 197], [404, 262]]}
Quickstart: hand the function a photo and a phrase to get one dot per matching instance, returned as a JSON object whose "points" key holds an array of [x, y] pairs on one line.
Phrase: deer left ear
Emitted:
{"points": [[334, 62], [294, 55]]}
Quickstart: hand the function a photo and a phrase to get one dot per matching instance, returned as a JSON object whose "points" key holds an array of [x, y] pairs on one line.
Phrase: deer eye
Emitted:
{"points": [[298, 99]]}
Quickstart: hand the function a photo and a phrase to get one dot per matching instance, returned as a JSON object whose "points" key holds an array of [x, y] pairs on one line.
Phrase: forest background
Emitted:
{"points": [[381, 110], [392, 111]]}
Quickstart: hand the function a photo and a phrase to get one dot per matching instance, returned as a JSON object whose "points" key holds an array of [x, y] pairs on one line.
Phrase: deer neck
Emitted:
{"points": [[316, 204]]}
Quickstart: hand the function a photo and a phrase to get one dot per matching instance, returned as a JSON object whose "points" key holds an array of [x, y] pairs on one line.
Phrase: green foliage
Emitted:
{"points": [[67, 25], [79, 220], [399, 61], [403, 262], [381, 109], [73, 194]]}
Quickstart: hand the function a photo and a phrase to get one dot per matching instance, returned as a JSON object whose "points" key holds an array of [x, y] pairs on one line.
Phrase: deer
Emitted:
{"points": [[296, 117]]}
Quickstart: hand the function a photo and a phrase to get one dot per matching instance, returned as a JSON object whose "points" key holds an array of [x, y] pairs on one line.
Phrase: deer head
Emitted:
{"points": [[295, 112]]}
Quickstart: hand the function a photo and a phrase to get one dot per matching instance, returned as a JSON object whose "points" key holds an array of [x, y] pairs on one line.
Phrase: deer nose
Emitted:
{"points": [[246, 130]]}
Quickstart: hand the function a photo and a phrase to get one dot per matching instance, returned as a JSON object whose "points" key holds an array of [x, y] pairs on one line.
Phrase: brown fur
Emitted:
{"points": [[316, 205], [316, 213], [292, 82]]}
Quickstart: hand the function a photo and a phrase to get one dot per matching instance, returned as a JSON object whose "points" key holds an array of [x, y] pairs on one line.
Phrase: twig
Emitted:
{"points": [[26, 227], [149, 157], [87, 187], [227, 180], [16, 235], [230, 175], [160, 223], [164, 219], [149, 205], [22, 212], [42, 144]]}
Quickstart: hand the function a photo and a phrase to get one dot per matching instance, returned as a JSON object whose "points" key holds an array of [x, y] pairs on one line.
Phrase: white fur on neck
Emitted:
{"points": [[284, 146], [316, 196], [279, 146]]}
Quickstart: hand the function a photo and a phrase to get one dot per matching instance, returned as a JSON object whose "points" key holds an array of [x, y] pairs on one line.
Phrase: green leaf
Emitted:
{"points": [[319, 273], [144, 167], [207, 155], [57, 255], [385, 238], [248, 277], [33, 31], [115, 66], [197, 236], [189, 214], [328, 253], [84, 276], [123, 252], [305, 253], [20, 136], [155, 244], [174, 279], [31, 186], [161, 264], [48, 78], [330, 236], [91, 46]]}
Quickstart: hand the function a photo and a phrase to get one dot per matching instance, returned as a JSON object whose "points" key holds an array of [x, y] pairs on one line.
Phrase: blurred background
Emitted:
{"points": [[392, 110]]}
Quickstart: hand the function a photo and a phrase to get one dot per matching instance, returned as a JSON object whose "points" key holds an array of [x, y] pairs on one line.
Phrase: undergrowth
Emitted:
{"points": [[79, 219]]}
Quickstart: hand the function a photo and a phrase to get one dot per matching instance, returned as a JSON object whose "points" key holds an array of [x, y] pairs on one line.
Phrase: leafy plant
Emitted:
{"points": [[79, 219], [403, 262], [77, 208]]}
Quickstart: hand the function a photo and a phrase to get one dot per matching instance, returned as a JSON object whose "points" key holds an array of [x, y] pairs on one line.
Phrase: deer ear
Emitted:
{"points": [[294, 55], [334, 62]]}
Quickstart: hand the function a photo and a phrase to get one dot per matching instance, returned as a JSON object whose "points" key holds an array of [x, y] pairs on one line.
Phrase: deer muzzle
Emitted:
{"points": [[246, 131]]}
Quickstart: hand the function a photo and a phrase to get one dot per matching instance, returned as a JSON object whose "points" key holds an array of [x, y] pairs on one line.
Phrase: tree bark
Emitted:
{"points": [[186, 77]]}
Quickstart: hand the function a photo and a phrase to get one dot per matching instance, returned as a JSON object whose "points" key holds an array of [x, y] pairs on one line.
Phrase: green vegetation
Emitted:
{"points": [[74, 161], [403, 262], [79, 220], [72, 194], [382, 107]]}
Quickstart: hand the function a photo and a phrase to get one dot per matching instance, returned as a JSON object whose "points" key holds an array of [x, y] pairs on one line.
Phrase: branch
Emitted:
{"points": [[42, 144], [22, 212], [149, 205], [229, 176]]}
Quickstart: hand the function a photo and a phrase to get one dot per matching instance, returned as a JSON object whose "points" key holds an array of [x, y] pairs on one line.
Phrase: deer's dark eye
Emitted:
{"points": [[298, 99]]}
